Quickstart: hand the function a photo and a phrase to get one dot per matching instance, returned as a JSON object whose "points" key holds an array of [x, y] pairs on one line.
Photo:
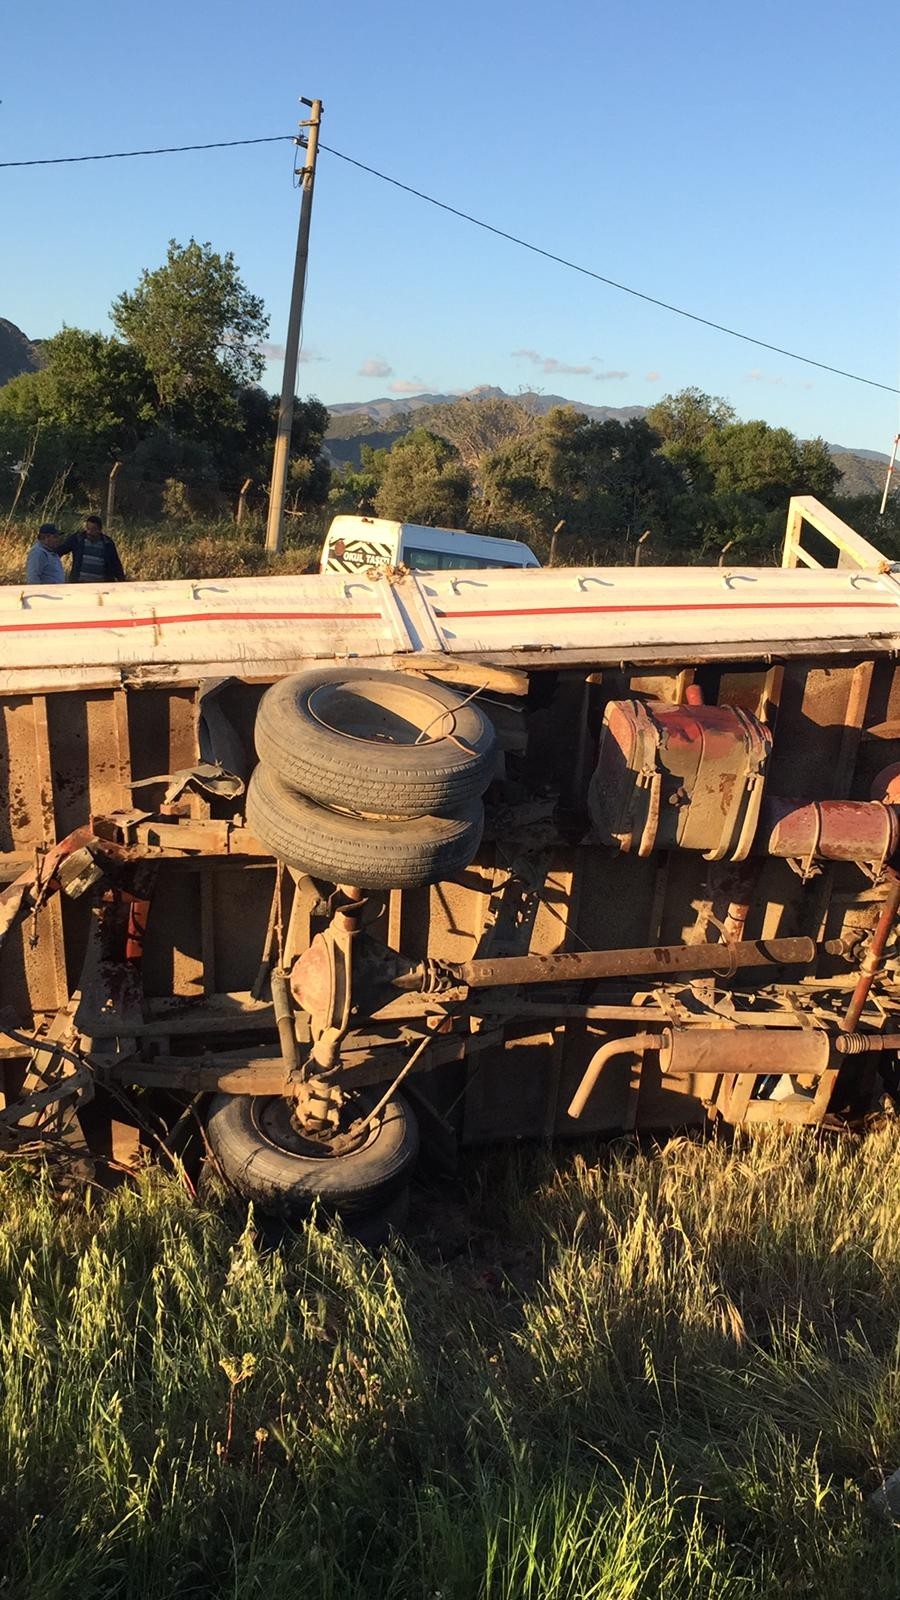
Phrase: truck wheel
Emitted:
{"points": [[269, 1162], [401, 746], [371, 853]]}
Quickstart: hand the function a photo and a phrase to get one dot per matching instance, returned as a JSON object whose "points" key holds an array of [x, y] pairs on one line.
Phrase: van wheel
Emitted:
{"points": [[269, 1162], [399, 745], [374, 853]]}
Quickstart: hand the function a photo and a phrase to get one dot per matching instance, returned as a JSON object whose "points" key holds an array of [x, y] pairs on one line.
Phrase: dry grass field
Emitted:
{"points": [[153, 550]]}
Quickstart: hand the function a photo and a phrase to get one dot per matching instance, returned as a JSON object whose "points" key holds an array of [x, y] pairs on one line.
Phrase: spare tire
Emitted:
{"points": [[269, 1161], [398, 745], [382, 853]]}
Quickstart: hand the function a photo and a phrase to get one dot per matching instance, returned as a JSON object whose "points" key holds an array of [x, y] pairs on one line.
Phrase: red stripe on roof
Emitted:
{"points": [[705, 605], [191, 617]]}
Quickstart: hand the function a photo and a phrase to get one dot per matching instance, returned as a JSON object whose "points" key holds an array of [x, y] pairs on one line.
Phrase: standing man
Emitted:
{"points": [[43, 564], [95, 558]]}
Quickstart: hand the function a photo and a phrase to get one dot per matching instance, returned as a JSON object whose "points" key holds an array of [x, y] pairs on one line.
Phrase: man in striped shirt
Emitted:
{"points": [[95, 558]]}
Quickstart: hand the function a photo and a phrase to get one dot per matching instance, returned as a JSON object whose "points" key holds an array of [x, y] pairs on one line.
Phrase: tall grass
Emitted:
{"points": [[672, 1373]]}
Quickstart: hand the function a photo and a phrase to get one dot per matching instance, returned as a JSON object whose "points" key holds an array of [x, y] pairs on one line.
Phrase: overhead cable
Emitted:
{"points": [[487, 227], [161, 150], [588, 272]]}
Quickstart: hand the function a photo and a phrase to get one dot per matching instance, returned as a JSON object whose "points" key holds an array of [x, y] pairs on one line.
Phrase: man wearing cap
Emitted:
{"points": [[43, 564]]}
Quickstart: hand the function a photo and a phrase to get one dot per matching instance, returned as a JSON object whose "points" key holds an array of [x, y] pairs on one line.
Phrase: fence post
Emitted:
{"points": [[111, 491], [553, 538], [242, 501], [637, 549]]}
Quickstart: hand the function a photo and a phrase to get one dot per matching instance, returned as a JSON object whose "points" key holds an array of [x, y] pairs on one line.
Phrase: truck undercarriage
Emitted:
{"points": [[599, 880]]}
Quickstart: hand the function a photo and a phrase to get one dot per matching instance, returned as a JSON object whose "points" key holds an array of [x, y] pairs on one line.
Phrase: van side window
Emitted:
{"points": [[445, 560]]}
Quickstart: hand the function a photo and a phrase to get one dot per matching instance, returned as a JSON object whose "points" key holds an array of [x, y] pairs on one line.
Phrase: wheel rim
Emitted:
{"points": [[401, 716], [272, 1121]]}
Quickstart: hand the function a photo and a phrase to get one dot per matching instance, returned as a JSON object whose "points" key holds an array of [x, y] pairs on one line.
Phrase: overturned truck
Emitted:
{"points": [[329, 862]]}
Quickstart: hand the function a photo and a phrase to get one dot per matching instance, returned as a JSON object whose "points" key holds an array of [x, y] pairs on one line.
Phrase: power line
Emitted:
{"points": [[488, 227], [587, 272], [161, 150]]}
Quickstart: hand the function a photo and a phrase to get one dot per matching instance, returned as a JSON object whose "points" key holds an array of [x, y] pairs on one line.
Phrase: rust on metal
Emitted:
{"points": [[750, 1050], [832, 830], [635, 837], [576, 966], [874, 956]]}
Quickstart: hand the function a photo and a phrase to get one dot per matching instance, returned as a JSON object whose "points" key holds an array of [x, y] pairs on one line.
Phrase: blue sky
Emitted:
{"points": [[737, 160]]}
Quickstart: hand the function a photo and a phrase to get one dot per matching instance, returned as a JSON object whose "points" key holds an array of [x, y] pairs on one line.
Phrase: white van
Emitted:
{"points": [[354, 543]]}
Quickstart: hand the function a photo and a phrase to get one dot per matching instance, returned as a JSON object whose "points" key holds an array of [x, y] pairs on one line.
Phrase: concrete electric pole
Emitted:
{"points": [[275, 524]]}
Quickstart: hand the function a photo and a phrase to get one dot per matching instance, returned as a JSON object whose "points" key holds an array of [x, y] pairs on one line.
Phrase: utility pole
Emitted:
{"points": [[274, 525], [887, 481]]}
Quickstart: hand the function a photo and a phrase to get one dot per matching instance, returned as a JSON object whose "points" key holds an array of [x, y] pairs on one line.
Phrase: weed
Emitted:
{"points": [[151, 551], [678, 1377]]}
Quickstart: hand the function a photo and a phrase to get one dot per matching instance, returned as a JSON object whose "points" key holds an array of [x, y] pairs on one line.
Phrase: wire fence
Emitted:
{"points": [[166, 528]]}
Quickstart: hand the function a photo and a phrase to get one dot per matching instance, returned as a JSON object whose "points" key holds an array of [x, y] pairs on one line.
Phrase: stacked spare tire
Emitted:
{"points": [[370, 778]]}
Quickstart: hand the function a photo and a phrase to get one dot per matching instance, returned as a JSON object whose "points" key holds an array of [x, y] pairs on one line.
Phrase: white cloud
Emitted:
{"points": [[373, 368], [607, 377], [551, 365], [652, 377], [407, 386], [275, 352]]}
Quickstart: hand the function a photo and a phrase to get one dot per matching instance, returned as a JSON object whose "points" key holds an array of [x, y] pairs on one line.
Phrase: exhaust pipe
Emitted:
{"points": [[686, 1051]]}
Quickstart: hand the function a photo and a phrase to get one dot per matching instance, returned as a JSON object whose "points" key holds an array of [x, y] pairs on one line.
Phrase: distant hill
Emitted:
{"points": [[540, 404], [867, 455], [380, 422], [18, 354], [864, 471]]}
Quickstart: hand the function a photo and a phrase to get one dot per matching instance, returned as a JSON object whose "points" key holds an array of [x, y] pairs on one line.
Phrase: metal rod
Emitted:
{"points": [[859, 1044], [575, 966], [265, 963], [872, 960], [634, 1044], [111, 492], [284, 1019], [389, 1093]]}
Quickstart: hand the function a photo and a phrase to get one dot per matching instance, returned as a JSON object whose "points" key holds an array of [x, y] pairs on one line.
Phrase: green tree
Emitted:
{"points": [[683, 422], [606, 480], [769, 464], [818, 472], [91, 403], [197, 327], [97, 390], [356, 488], [684, 419], [478, 424], [423, 480], [242, 445]]}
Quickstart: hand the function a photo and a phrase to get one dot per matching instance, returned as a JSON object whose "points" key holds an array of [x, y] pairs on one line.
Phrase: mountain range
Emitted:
{"points": [[379, 422], [531, 399], [17, 353]]}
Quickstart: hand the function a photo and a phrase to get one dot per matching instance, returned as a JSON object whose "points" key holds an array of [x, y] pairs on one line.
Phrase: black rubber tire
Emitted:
{"points": [[351, 732], [286, 1182], [376, 1229], [373, 853]]}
